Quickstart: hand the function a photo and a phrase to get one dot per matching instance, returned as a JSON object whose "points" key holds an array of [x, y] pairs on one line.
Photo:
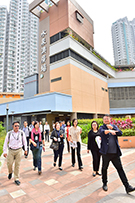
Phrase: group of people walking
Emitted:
{"points": [[102, 141]]}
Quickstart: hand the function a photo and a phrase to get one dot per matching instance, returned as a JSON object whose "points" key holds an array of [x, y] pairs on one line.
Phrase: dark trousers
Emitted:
{"points": [[78, 154], [68, 147], [47, 135], [59, 153], [37, 158], [115, 159], [27, 138], [96, 159]]}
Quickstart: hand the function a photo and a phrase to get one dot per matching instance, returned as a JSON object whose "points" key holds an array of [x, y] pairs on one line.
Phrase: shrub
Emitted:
{"points": [[123, 124], [2, 137], [126, 125], [128, 132]]}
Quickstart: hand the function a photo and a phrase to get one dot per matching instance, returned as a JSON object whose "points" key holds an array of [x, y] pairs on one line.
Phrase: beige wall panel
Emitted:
{"points": [[99, 84], [63, 85], [86, 89], [76, 100], [93, 98], [88, 103], [102, 104]]}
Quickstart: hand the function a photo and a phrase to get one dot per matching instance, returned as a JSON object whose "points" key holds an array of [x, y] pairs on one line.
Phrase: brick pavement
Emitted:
{"points": [[69, 185]]}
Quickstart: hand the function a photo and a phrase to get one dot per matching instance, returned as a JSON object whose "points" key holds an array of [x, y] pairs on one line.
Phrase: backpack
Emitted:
{"points": [[9, 134]]}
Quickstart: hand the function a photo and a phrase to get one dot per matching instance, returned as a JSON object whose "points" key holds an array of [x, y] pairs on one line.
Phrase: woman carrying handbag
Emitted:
{"points": [[57, 144], [37, 141]]}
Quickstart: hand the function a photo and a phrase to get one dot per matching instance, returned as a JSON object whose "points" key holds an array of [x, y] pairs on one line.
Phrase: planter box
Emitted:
{"points": [[127, 141]]}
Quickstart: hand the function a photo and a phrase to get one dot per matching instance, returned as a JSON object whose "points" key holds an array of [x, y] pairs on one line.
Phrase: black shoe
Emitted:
{"points": [[39, 172], [94, 174], [97, 173], [34, 168], [105, 188], [60, 168], [26, 157], [130, 189], [9, 176], [17, 182], [54, 164], [73, 165], [80, 168]]}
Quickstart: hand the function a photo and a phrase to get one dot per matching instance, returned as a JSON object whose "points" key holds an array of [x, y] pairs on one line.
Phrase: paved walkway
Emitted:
{"points": [[69, 185]]}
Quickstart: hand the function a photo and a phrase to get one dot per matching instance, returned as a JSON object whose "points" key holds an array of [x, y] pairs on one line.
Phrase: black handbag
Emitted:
{"points": [[32, 147], [54, 146]]}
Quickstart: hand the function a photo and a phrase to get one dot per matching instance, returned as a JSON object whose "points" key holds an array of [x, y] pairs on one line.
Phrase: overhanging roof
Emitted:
{"points": [[46, 103], [41, 3]]}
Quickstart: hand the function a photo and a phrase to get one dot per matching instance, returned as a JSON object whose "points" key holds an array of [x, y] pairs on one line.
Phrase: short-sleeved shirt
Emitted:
{"points": [[75, 133]]}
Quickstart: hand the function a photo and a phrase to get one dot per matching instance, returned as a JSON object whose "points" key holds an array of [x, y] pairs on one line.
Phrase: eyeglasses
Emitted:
{"points": [[17, 126]]}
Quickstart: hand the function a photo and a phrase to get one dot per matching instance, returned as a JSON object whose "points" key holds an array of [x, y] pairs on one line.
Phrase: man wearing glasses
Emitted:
{"points": [[16, 139], [110, 151]]}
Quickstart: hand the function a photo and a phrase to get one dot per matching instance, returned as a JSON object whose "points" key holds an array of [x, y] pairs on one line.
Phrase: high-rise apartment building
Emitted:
{"points": [[32, 46], [22, 42], [3, 29], [123, 37]]}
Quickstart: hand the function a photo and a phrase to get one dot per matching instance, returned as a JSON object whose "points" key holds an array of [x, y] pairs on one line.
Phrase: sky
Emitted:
{"points": [[103, 13]]}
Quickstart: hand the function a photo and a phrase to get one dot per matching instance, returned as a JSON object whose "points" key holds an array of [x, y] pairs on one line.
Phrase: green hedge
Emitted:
{"points": [[128, 132], [85, 124], [2, 137], [100, 120]]}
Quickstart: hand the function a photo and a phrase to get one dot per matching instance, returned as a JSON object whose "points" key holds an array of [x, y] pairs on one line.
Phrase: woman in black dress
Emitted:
{"points": [[93, 147]]}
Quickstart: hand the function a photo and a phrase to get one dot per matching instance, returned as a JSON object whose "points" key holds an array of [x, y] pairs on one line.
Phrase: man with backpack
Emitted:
{"points": [[16, 139]]}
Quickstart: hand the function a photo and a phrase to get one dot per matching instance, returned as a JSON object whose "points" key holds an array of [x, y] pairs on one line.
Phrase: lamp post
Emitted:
{"points": [[7, 108]]}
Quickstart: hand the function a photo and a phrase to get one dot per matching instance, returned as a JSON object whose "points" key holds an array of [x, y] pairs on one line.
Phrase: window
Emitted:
{"points": [[56, 79], [67, 53], [122, 93]]}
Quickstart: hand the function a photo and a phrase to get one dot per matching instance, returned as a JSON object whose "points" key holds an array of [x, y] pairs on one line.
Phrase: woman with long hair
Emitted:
{"points": [[37, 143], [93, 147], [58, 138], [75, 137], [67, 134]]}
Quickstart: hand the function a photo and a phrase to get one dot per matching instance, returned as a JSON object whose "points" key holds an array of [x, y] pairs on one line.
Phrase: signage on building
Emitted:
{"points": [[43, 52]]}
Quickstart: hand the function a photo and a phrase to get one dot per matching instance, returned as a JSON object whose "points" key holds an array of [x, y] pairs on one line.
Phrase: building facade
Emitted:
{"points": [[3, 31], [123, 38], [72, 80], [66, 62], [21, 53]]}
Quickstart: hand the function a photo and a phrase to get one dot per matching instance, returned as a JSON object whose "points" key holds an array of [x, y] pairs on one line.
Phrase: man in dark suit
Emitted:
{"points": [[110, 151]]}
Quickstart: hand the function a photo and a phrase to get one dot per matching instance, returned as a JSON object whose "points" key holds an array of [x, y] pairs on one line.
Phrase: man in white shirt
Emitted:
{"points": [[46, 130], [26, 131], [16, 139]]}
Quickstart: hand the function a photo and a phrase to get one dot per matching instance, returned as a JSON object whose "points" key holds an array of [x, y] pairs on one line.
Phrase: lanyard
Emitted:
{"points": [[58, 133]]}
